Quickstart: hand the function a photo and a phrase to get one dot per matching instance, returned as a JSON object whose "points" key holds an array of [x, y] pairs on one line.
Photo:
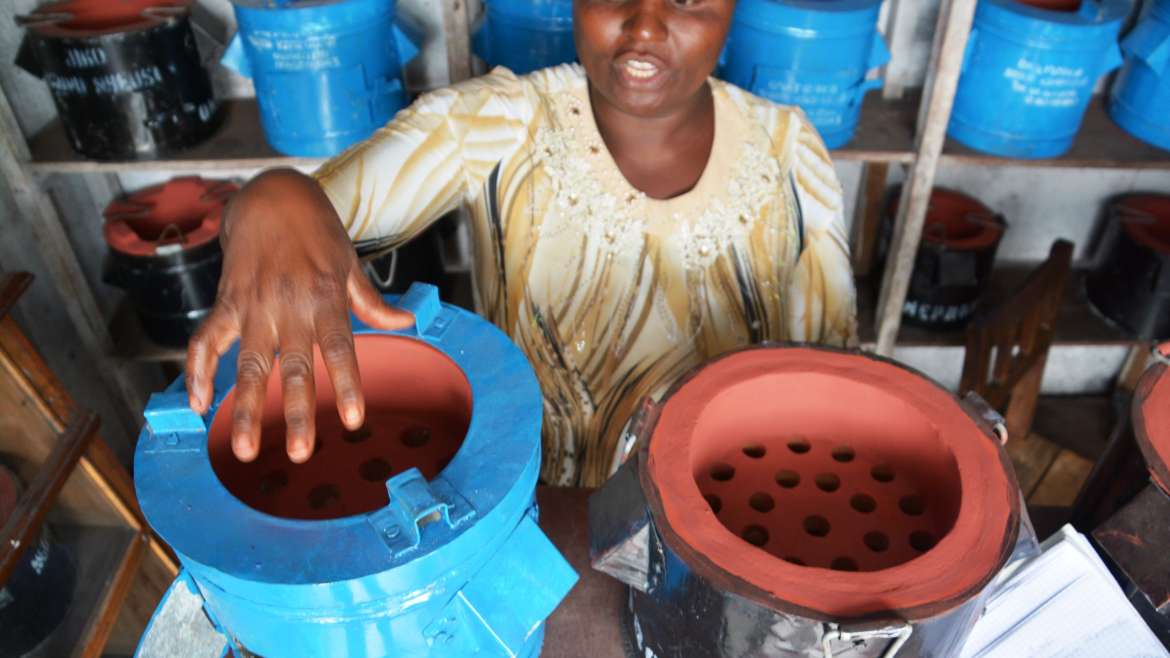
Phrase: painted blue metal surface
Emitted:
{"points": [[327, 73], [1140, 100], [1028, 75], [456, 566], [526, 35], [811, 53]]}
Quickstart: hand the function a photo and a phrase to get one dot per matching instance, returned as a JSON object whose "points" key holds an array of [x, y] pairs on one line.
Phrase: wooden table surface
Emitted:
{"points": [[587, 624]]}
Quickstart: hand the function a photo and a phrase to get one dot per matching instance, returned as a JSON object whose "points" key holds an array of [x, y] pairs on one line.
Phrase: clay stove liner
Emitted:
{"points": [[1151, 416], [1146, 219], [958, 221], [1053, 5], [187, 210], [87, 18], [418, 408], [864, 471]]}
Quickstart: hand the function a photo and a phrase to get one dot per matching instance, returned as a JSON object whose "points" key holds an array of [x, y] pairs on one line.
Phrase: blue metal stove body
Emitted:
{"points": [[1140, 99], [1028, 75], [454, 566], [813, 53], [328, 73]]}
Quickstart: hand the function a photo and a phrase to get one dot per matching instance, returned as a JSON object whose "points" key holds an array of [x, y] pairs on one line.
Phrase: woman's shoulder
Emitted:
{"points": [[784, 124]]}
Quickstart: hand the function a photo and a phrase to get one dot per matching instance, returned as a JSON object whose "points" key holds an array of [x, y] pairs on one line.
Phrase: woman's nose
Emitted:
{"points": [[647, 21]]}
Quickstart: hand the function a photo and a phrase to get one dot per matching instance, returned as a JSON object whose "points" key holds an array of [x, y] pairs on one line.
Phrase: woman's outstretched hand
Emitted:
{"points": [[290, 276]]}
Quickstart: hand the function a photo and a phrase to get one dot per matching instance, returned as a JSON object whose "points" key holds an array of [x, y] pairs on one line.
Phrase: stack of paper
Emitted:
{"points": [[1065, 603]]}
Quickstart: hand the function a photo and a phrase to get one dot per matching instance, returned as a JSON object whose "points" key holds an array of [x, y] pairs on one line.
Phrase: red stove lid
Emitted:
{"points": [[1146, 218], [1151, 419], [956, 221], [182, 213], [830, 484], [85, 18]]}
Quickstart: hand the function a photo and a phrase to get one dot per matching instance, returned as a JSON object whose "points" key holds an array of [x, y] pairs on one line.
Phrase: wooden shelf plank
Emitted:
{"points": [[1077, 324], [885, 133], [238, 144], [1100, 144]]}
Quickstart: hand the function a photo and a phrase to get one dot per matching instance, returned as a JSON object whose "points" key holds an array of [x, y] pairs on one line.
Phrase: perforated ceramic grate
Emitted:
{"points": [[418, 407], [849, 506]]}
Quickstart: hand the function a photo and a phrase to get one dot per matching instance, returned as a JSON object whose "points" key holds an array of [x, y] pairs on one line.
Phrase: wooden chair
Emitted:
{"points": [[1008, 347]]}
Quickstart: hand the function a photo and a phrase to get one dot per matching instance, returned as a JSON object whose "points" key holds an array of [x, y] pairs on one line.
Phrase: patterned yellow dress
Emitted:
{"points": [[611, 294]]}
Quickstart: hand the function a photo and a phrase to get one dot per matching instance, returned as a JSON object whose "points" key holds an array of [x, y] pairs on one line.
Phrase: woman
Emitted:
{"points": [[632, 218]]}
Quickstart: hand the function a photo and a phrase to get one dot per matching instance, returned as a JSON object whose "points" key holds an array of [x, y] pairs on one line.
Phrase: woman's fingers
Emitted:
{"points": [[335, 336], [297, 387], [210, 341], [369, 306], [257, 346]]}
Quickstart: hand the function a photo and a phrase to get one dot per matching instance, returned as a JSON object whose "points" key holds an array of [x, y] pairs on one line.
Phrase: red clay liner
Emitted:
{"points": [[82, 18], [1053, 5], [956, 221], [184, 211], [1151, 423], [418, 408], [840, 485], [1146, 219]]}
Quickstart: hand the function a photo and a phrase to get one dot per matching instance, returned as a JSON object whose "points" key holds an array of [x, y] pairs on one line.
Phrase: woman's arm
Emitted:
{"points": [[290, 273], [822, 297]]}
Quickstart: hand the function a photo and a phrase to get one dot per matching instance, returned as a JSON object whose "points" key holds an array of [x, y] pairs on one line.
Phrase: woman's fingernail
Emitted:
{"points": [[352, 417]]}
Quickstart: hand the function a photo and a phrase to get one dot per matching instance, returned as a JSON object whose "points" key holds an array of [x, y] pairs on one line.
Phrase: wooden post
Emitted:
{"points": [[867, 215], [64, 269], [954, 26]]}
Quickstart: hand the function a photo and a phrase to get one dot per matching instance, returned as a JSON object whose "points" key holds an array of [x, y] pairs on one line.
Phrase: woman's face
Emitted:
{"points": [[649, 58]]}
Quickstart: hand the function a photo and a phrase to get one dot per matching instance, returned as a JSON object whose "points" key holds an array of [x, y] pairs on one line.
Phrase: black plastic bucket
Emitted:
{"points": [[1130, 284], [126, 77], [959, 239], [165, 253]]}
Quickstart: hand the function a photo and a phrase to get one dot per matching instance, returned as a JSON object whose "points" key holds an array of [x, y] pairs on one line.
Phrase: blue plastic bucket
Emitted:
{"points": [[383, 543], [526, 35], [811, 53], [327, 73], [1028, 75], [1140, 102]]}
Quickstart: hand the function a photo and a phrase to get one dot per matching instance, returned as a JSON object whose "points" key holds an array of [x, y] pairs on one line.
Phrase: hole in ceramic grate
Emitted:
{"points": [[863, 503], [755, 451], [843, 454], [817, 526], [722, 472], [799, 446], [794, 560], [437, 405], [787, 479], [828, 482], [843, 564], [324, 495], [882, 473], [876, 541], [273, 482], [761, 502], [755, 535], [375, 470], [922, 541]]}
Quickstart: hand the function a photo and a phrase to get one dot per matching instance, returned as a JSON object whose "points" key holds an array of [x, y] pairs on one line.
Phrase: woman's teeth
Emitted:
{"points": [[640, 69]]}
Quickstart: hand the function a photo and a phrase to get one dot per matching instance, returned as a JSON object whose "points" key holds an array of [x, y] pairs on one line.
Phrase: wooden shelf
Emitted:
{"points": [[884, 134], [1078, 323], [104, 559], [1100, 144], [238, 144]]}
